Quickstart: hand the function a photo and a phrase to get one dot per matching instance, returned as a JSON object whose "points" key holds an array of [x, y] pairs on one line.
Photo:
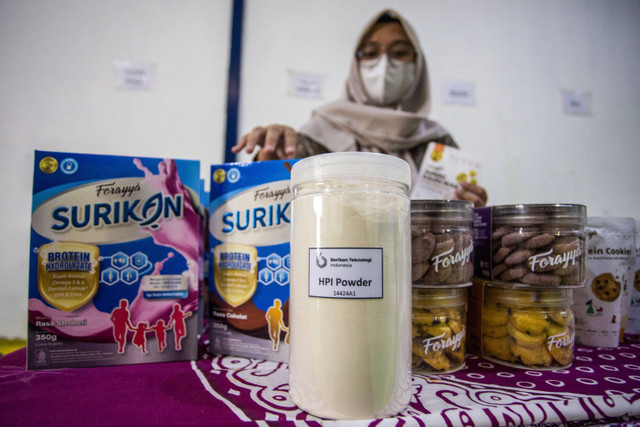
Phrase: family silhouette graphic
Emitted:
{"points": [[121, 319]]}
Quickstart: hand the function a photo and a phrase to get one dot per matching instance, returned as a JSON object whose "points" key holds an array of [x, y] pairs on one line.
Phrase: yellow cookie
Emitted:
{"points": [[531, 322], [563, 317], [441, 329], [524, 339], [457, 356], [555, 329], [456, 325], [436, 359], [498, 348], [495, 331], [422, 317], [416, 361], [494, 316], [537, 356], [454, 314], [560, 343], [518, 298], [562, 355]]}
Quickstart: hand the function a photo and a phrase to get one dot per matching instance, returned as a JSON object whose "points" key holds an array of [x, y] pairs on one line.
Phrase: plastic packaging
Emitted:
{"points": [[439, 326], [602, 306], [528, 328], [633, 325], [539, 245], [350, 347], [441, 242]]}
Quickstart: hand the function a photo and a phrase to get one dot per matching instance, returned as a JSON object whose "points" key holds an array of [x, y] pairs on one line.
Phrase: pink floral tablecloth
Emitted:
{"points": [[601, 387]]}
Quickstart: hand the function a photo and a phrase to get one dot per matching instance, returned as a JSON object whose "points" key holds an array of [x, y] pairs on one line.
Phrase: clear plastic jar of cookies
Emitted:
{"points": [[441, 242], [439, 325], [539, 245], [527, 327]]}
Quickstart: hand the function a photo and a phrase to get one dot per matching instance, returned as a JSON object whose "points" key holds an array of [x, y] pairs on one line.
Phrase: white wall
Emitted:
{"points": [[58, 91], [520, 56]]}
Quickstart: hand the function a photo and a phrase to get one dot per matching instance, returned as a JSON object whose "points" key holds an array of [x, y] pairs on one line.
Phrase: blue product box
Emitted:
{"points": [[249, 229], [115, 244]]}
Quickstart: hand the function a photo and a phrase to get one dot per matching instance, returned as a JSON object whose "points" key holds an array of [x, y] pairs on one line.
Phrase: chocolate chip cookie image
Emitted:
{"points": [[605, 287], [636, 281]]}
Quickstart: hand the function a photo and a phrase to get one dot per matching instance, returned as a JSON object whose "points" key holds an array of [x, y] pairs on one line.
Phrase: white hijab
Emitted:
{"points": [[344, 124]]}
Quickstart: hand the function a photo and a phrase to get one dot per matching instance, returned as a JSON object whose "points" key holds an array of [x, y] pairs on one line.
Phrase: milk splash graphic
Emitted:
{"points": [[179, 234]]}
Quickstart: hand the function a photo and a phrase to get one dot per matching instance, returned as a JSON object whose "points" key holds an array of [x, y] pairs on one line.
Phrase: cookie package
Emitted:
{"points": [[438, 329], [632, 331], [249, 256], [115, 259], [441, 242], [536, 245], [532, 328], [442, 169], [602, 305]]}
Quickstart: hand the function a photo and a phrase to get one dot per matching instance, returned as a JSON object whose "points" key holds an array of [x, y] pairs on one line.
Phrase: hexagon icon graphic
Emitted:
{"points": [[119, 260], [265, 276], [109, 276], [282, 277], [273, 261], [139, 260], [129, 276]]}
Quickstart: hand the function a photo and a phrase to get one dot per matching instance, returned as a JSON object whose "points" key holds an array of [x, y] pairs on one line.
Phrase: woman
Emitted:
{"points": [[384, 108]]}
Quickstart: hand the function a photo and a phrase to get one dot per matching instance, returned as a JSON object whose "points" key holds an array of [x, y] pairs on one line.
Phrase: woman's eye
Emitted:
{"points": [[401, 53], [370, 54]]}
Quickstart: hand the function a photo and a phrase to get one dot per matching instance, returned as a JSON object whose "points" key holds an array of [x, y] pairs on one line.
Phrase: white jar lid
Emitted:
{"points": [[351, 165]]}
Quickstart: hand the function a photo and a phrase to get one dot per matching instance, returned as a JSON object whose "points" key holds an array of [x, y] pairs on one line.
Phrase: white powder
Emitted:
{"points": [[351, 358]]}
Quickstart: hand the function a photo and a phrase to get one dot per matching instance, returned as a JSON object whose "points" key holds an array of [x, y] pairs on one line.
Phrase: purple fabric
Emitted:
{"points": [[601, 384]]}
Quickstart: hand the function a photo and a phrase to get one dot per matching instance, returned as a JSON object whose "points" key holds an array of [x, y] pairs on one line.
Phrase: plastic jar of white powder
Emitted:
{"points": [[350, 303]]}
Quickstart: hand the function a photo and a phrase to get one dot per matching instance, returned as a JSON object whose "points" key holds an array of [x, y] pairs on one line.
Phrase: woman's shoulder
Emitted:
{"points": [[307, 146]]}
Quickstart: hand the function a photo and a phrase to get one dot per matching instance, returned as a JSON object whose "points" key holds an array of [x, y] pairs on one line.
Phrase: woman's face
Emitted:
{"points": [[389, 38]]}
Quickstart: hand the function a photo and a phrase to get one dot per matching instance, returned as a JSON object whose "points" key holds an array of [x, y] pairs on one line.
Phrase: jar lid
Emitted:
{"points": [[352, 164], [564, 213], [457, 210]]}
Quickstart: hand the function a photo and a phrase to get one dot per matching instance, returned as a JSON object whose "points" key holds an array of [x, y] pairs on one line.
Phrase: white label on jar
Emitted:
{"points": [[348, 273]]}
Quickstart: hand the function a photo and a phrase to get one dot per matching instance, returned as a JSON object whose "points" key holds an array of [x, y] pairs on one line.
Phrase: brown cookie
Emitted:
{"points": [[498, 269], [418, 270], [517, 237], [501, 254], [419, 228], [513, 273], [538, 241], [518, 256], [422, 247]]}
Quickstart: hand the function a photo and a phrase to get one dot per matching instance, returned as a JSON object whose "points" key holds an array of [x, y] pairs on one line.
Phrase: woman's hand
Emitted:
{"points": [[277, 142], [472, 193]]}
